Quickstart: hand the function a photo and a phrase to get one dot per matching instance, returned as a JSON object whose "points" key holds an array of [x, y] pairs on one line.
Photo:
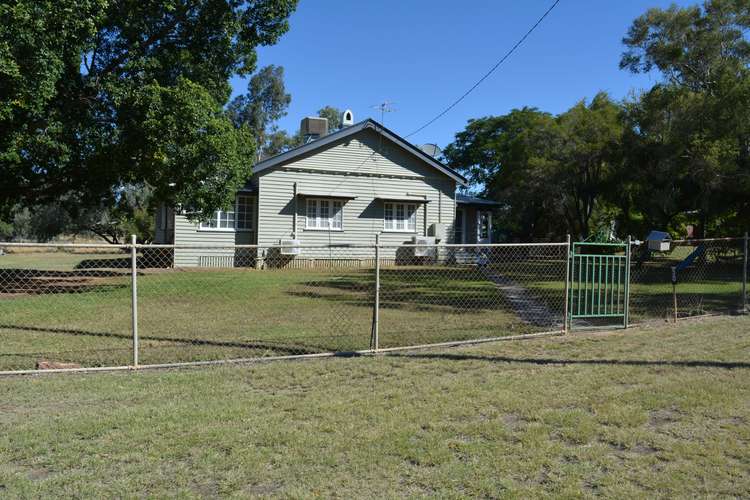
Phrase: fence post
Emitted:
{"points": [[626, 317], [566, 326], [744, 274], [375, 341], [674, 292], [134, 297]]}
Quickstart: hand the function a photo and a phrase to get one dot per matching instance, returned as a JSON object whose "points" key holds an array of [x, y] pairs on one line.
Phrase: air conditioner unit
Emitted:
{"points": [[289, 247], [437, 230], [425, 246]]}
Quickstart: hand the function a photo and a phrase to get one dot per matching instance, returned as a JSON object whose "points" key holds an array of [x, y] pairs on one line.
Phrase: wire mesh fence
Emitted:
{"points": [[62, 305], [68, 306], [469, 292], [690, 278]]}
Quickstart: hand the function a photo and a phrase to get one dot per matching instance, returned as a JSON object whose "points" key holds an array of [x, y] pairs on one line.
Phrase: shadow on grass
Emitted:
{"points": [[658, 304], [36, 282], [462, 290], [730, 365], [300, 348], [151, 258]]}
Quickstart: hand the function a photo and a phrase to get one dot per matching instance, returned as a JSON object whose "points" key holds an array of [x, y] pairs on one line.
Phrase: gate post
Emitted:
{"points": [[566, 326], [626, 312], [134, 296]]}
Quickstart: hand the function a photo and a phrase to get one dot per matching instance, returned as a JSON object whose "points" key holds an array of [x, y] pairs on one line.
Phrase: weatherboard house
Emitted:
{"points": [[338, 189]]}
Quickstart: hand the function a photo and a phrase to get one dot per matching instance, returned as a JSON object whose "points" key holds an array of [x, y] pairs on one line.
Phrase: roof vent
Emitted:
{"points": [[313, 127], [431, 149], [347, 118]]}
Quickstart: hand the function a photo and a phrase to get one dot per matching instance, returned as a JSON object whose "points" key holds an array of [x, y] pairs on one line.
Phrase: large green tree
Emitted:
{"points": [[688, 138], [506, 156], [544, 169], [99, 94], [264, 103]]}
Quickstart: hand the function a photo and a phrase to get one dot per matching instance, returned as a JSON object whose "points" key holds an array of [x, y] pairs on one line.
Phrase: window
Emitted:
{"points": [[325, 214], [400, 217], [245, 212], [238, 219]]}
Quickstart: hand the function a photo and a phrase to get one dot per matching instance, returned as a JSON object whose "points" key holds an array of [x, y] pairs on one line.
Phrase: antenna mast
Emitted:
{"points": [[384, 107]]}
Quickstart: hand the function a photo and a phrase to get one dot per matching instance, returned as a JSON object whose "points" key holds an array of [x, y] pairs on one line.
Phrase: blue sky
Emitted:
{"points": [[422, 55]]}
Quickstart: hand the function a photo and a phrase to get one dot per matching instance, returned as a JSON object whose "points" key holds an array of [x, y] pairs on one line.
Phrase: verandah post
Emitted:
{"points": [[566, 325], [134, 296]]}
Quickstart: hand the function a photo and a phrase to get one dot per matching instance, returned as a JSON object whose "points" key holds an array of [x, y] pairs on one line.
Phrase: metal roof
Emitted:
{"points": [[465, 199], [348, 131], [658, 236]]}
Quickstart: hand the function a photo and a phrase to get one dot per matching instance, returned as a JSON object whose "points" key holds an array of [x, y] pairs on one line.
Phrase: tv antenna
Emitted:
{"points": [[384, 107]]}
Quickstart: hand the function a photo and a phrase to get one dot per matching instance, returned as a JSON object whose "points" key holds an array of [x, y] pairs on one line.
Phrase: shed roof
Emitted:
{"points": [[349, 131]]}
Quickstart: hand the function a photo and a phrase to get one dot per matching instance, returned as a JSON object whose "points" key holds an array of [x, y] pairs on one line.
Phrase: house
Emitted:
{"points": [[337, 189]]}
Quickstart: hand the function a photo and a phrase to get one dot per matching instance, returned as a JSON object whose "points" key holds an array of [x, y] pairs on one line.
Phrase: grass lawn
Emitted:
{"points": [[652, 412], [78, 310], [76, 307]]}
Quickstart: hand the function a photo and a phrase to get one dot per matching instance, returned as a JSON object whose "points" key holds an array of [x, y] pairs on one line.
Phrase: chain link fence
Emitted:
{"points": [[691, 278], [91, 306]]}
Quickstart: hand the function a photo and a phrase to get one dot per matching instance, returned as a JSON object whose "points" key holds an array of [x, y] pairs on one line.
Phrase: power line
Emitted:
{"points": [[502, 60]]}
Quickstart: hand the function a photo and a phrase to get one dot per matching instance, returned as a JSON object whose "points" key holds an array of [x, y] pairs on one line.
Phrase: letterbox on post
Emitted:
{"points": [[659, 241]]}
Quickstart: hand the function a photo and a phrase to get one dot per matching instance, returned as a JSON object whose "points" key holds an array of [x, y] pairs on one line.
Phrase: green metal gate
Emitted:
{"points": [[599, 284]]}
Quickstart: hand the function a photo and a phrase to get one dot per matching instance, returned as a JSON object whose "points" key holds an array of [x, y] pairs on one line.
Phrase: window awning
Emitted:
{"points": [[312, 193], [407, 197]]}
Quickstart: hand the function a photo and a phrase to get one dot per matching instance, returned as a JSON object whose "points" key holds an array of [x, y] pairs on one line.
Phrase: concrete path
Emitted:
{"points": [[523, 302]]}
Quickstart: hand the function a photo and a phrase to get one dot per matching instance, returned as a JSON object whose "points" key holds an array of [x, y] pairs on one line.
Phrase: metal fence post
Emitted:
{"points": [[674, 292], [375, 341], [744, 275], [566, 325], [626, 318], [134, 297]]}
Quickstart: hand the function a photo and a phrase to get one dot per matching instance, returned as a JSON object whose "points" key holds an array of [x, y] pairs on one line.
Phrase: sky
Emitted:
{"points": [[421, 55]]}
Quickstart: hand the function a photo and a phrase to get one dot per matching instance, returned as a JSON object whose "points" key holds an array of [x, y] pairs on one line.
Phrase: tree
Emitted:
{"points": [[589, 158], [279, 140], [131, 213], [544, 169], [333, 115], [264, 103], [689, 137], [97, 94], [509, 156], [693, 47]]}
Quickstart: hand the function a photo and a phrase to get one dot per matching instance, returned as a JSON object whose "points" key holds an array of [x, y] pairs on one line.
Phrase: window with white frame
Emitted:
{"points": [[400, 217], [324, 213], [240, 218]]}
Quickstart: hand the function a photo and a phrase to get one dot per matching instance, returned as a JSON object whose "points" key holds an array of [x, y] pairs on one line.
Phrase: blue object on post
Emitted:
{"points": [[699, 250]]}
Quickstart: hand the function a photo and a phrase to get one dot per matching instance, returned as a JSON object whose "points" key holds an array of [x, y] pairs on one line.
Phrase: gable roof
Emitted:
{"points": [[349, 131]]}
